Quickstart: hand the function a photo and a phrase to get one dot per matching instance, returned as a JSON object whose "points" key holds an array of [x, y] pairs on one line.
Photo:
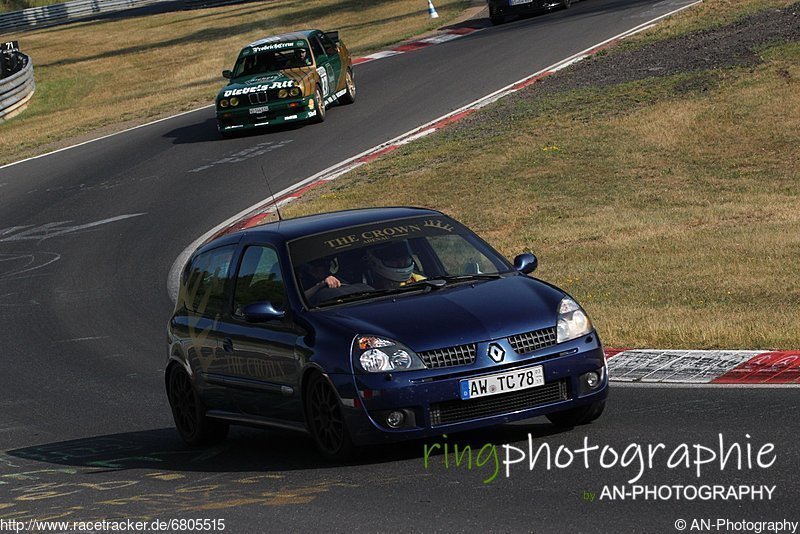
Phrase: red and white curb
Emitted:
{"points": [[703, 367], [441, 37]]}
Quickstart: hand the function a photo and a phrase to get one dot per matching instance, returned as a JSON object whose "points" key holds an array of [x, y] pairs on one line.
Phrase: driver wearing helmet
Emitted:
{"points": [[391, 265]]}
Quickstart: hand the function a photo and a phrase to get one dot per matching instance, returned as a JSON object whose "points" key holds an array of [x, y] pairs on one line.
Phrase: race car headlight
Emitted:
{"points": [[223, 103], [572, 321], [294, 92], [283, 93], [375, 354], [234, 102]]}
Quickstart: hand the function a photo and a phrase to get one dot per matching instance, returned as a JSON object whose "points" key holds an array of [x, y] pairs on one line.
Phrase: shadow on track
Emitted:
{"points": [[250, 450], [206, 131]]}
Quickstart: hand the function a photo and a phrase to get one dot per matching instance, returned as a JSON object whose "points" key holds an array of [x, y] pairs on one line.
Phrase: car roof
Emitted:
{"points": [[289, 229], [301, 35]]}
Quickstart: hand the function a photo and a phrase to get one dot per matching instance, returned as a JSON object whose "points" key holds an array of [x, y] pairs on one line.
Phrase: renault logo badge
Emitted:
{"points": [[496, 352]]}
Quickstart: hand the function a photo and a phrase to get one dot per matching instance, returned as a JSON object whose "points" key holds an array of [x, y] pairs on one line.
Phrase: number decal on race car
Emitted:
{"points": [[323, 76]]}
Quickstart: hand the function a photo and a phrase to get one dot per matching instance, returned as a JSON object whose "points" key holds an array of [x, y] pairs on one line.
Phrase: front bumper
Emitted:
{"points": [[276, 112], [431, 401]]}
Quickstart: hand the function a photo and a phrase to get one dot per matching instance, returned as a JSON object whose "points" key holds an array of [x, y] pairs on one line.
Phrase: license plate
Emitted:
{"points": [[517, 2], [256, 111], [518, 380]]}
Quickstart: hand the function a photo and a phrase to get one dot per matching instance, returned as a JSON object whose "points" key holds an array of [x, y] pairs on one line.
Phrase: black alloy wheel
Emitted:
{"points": [[188, 412], [325, 419]]}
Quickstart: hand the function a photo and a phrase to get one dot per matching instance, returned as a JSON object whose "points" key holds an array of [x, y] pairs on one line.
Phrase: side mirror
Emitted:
{"points": [[262, 312], [227, 74], [526, 263], [333, 36]]}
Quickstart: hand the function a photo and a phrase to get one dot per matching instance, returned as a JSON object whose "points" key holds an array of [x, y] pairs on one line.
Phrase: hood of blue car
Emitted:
{"points": [[454, 315]]}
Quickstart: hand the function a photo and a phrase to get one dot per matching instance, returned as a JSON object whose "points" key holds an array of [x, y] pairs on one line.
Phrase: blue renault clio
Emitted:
{"points": [[373, 325]]}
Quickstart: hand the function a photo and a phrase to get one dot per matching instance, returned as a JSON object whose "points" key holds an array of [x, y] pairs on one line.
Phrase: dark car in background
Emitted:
{"points": [[373, 325], [499, 9], [290, 77]]}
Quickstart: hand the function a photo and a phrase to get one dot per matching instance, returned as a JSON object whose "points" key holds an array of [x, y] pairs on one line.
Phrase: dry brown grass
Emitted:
{"points": [[99, 73], [674, 217]]}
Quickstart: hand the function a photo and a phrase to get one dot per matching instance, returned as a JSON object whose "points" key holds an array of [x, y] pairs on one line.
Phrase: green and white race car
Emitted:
{"points": [[285, 78]]}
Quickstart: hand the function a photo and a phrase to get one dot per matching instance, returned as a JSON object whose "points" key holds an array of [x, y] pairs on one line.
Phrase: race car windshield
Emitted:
{"points": [[271, 61], [390, 257]]}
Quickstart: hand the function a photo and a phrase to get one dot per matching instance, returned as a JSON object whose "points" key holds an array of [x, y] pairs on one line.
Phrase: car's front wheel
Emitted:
{"points": [[350, 89], [319, 105], [578, 416], [188, 411], [325, 419]]}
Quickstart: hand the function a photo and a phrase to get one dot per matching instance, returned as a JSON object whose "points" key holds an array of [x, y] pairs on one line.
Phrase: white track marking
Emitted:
{"points": [[105, 136], [49, 230]]}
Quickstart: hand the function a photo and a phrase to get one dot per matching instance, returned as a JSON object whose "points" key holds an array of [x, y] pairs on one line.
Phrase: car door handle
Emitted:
{"points": [[227, 345]]}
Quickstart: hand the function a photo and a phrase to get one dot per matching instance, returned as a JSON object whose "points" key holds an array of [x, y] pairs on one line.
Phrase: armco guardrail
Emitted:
{"points": [[37, 17], [17, 89]]}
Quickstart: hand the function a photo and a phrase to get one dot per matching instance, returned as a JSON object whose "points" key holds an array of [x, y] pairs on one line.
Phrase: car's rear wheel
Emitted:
{"points": [[188, 411], [350, 89], [494, 17], [325, 419], [319, 105], [578, 416]]}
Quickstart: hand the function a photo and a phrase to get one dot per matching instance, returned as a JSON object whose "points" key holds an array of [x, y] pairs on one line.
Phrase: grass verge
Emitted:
{"points": [[667, 205], [105, 72]]}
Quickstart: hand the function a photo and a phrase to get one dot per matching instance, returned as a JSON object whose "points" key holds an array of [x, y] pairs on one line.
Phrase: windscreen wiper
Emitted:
{"points": [[466, 277], [416, 286]]}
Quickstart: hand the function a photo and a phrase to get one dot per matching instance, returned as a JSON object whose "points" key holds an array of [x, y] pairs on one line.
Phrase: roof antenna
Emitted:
{"points": [[274, 203]]}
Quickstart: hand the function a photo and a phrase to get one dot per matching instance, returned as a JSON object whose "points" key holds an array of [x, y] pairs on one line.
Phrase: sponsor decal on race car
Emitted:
{"points": [[275, 46], [257, 88], [334, 97], [263, 79]]}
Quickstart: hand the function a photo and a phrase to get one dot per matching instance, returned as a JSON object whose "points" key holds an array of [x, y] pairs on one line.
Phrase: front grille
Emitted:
{"points": [[464, 410], [531, 341], [258, 98], [449, 357]]}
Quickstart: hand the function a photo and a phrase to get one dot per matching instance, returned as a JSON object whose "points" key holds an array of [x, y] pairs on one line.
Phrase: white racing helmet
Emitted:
{"points": [[392, 261]]}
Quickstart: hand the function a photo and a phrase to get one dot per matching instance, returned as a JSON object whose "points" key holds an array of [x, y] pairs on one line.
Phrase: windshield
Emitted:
{"points": [[389, 257], [271, 61]]}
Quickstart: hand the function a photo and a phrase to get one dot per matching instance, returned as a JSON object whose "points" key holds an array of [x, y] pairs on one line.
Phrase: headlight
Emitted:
{"points": [[572, 321], [375, 354], [283, 93], [223, 103], [234, 101], [294, 92]]}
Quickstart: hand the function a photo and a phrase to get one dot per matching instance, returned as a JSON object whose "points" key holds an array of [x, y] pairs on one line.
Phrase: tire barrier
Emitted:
{"points": [[53, 14], [16, 81]]}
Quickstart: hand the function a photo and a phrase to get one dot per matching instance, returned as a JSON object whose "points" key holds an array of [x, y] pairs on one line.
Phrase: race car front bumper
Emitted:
{"points": [[271, 114], [431, 403]]}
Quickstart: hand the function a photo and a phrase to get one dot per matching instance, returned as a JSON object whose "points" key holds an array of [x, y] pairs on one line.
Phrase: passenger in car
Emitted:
{"points": [[391, 265]]}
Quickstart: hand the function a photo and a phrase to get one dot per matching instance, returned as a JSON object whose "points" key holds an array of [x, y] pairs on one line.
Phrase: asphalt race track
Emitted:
{"points": [[88, 235]]}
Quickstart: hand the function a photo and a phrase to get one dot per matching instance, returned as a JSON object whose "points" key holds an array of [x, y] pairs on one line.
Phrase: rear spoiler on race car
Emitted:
{"points": [[333, 36]]}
